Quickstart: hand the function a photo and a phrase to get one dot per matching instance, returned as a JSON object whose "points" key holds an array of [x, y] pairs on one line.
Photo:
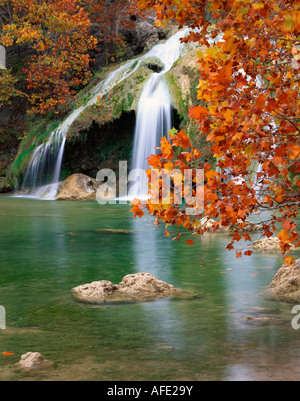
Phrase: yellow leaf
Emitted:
{"points": [[283, 235], [228, 114]]}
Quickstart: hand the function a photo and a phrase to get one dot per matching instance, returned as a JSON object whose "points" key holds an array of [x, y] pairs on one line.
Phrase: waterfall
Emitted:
{"points": [[154, 115], [154, 120], [43, 173]]}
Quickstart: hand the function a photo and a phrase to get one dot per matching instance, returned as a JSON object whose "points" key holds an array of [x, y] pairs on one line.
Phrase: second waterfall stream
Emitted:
{"points": [[154, 119]]}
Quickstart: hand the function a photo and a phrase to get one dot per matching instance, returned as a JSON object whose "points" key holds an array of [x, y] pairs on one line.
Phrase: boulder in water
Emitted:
{"points": [[95, 292], [267, 244], [144, 284], [286, 282], [208, 224], [138, 286], [78, 187]]}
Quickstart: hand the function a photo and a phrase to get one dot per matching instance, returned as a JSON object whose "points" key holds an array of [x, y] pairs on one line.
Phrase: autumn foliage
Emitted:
{"points": [[110, 18], [58, 35], [248, 110]]}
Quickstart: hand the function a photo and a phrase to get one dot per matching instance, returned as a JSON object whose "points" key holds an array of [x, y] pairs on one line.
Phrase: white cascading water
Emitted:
{"points": [[154, 120], [154, 115]]}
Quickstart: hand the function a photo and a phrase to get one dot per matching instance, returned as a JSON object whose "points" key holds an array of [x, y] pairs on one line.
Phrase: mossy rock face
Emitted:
{"points": [[123, 97], [153, 63], [98, 123], [39, 132], [182, 80]]}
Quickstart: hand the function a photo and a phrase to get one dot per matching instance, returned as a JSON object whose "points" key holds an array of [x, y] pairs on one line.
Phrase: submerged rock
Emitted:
{"points": [[132, 287], [33, 361], [286, 282], [114, 231], [78, 187]]}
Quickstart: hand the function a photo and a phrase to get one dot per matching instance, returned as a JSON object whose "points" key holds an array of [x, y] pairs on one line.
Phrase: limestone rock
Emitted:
{"points": [[144, 284], [267, 244], [286, 282], [133, 287], [144, 35], [249, 226], [33, 361], [78, 187], [94, 292], [207, 223]]}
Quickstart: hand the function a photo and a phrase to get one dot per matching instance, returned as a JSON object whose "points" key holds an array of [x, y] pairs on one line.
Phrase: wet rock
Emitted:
{"points": [[95, 292], [33, 361], [153, 63], [78, 187], [286, 282], [138, 286]]}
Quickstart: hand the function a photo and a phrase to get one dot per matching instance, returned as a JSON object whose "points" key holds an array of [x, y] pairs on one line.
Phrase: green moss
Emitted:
{"points": [[180, 102], [121, 98], [38, 133]]}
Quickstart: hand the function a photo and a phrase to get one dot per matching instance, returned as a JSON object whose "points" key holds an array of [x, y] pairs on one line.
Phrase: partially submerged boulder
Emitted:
{"points": [[286, 282], [33, 361], [132, 287], [144, 284], [271, 243], [78, 187], [95, 292], [208, 224]]}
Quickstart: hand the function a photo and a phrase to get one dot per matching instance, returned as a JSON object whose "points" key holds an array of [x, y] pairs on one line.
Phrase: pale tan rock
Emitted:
{"points": [[133, 286], [267, 244], [94, 292], [33, 361], [144, 284], [208, 223], [249, 226], [78, 187], [286, 282]]}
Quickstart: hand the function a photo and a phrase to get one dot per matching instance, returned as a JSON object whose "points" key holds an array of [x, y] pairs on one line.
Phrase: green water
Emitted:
{"points": [[47, 248]]}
